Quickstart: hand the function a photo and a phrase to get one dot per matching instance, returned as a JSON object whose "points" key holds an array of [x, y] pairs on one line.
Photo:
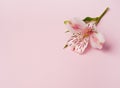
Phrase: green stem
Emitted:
{"points": [[100, 17]]}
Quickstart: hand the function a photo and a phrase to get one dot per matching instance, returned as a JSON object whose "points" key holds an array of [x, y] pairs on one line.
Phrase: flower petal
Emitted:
{"points": [[92, 26], [97, 40], [78, 43], [76, 25], [81, 45]]}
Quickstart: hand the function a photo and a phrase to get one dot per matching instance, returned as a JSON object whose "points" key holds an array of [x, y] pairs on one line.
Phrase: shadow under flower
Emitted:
{"points": [[107, 47]]}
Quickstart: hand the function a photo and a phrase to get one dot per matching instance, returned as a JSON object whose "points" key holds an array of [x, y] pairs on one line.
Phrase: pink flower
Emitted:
{"points": [[83, 33]]}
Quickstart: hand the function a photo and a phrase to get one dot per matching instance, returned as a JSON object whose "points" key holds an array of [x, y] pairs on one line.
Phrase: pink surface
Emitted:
{"points": [[32, 39]]}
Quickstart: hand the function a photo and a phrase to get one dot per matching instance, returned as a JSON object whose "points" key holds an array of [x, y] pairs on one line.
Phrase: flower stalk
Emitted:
{"points": [[101, 16]]}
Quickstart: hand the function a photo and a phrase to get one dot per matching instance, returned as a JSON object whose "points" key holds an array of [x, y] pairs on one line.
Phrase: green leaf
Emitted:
{"points": [[89, 19]]}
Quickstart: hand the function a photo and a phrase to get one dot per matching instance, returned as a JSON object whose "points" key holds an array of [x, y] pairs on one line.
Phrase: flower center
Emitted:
{"points": [[87, 32]]}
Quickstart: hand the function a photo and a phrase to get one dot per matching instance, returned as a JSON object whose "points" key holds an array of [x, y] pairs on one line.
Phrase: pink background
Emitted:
{"points": [[32, 39]]}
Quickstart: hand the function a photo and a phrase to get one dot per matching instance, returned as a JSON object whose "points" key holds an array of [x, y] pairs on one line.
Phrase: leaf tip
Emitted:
{"points": [[66, 21]]}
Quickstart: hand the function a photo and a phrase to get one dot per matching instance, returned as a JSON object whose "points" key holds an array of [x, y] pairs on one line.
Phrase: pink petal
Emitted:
{"points": [[97, 40], [81, 45], [92, 25], [76, 25], [72, 42], [78, 43]]}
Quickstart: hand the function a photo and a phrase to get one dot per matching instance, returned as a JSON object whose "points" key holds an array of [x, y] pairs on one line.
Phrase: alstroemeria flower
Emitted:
{"points": [[83, 33]]}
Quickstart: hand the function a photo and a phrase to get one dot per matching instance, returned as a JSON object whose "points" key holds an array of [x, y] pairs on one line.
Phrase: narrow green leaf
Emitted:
{"points": [[89, 19]]}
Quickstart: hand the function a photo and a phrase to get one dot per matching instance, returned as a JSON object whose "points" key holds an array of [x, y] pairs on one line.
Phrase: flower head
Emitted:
{"points": [[84, 33]]}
